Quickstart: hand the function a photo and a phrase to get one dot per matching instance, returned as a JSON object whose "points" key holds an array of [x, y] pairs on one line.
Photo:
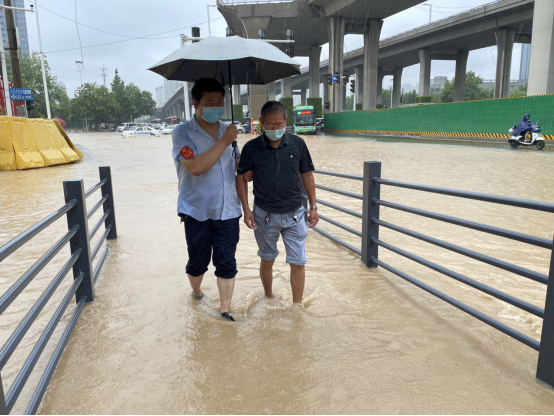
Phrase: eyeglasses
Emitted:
{"points": [[275, 127]]}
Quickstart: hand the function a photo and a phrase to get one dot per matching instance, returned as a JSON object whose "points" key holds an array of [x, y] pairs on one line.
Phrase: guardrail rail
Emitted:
{"points": [[81, 260], [370, 244]]}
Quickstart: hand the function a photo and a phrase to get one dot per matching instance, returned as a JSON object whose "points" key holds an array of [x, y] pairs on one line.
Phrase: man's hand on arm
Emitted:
{"points": [[309, 185], [200, 164]]}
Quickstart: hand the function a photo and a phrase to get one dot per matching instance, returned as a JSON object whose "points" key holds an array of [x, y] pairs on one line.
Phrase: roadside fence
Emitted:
{"points": [[81, 261], [370, 244]]}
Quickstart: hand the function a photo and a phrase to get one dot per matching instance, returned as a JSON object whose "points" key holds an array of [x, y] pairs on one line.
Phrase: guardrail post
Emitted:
{"points": [[3, 408], [370, 210], [545, 366], [105, 173], [74, 189]]}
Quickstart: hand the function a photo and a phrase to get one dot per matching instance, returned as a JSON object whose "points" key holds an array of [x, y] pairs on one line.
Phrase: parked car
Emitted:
{"points": [[141, 131], [240, 128], [319, 124], [168, 129]]}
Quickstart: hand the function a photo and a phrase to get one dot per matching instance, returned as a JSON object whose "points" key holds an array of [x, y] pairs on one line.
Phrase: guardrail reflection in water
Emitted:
{"points": [[84, 277], [370, 243]]}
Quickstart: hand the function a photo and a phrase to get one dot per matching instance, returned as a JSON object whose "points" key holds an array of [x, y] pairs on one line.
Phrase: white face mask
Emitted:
{"points": [[275, 134]]}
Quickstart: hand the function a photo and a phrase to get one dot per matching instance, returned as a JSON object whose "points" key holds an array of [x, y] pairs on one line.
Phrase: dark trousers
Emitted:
{"points": [[221, 236]]}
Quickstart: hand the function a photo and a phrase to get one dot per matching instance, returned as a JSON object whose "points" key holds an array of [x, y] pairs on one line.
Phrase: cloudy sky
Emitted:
{"points": [[133, 35]]}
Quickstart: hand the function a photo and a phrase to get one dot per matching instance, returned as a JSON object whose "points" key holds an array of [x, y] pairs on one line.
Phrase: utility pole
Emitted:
{"points": [[14, 55], [103, 74], [42, 56], [209, 28]]}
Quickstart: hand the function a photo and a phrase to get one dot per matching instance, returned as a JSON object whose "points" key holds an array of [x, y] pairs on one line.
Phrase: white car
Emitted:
{"points": [[168, 129], [141, 131]]}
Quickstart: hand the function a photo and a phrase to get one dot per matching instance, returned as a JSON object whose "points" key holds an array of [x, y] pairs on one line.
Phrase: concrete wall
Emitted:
{"points": [[486, 116]]}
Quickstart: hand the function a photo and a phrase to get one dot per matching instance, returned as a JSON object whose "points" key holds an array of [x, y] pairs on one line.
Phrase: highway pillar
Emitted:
{"points": [[424, 72], [397, 87], [236, 94], [541, 66], [271, 91], [359, 86], [380, 76], [286, 87], [303, 97], [460, 76], [504, 45], [335, 27], [258, 97], [315, 55], [371, 68], [326, 88]]}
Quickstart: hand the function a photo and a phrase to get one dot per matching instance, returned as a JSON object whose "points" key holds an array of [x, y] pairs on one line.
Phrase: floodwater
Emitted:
{"points": [[366, 341]]}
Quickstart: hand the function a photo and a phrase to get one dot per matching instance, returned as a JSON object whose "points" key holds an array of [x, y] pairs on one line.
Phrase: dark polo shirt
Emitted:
{"points": [[277, 183]]}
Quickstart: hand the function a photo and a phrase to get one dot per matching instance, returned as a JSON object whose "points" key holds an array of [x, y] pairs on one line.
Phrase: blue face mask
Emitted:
{"points": [[275, 134], [212, 114]]}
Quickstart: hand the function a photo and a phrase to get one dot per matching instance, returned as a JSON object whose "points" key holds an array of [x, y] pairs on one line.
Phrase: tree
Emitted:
{"points": [[473, 90], [118, 91], [410, 97], [349, 104], [386, 97], [94, 103], [148, 104], [133, 99], [519, 91]]}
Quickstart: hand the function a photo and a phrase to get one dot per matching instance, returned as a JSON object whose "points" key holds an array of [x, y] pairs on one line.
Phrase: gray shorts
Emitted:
{"points": [[294, 235]]}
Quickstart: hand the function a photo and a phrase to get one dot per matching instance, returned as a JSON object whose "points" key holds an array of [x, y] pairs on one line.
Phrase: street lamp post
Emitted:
{"points": [[42, 65], [209, 28], [430, 10]]}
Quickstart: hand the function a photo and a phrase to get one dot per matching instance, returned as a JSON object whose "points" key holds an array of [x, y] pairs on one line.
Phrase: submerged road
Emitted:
{"points": [[365, 342]]}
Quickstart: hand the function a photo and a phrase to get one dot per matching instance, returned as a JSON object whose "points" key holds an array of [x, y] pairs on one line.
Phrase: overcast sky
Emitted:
{"points": [[158, 24]]}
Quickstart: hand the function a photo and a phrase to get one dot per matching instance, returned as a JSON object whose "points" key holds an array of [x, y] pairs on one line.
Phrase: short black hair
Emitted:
{"points": [[273, 107], [206, 85]]}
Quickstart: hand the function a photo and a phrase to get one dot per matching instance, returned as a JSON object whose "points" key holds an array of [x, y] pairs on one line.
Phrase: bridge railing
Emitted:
{"points": [[78, 237], [370, 244]]}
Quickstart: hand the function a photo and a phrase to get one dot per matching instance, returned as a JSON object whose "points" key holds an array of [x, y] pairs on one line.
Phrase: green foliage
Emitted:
{"points": [[410, 97], [379, 106], [519, 91], [237, 112], [473, 91], [424, 99], [288, 103], [386, 97], [118, 91], [93, 102], [317, 104], [360, 106]]}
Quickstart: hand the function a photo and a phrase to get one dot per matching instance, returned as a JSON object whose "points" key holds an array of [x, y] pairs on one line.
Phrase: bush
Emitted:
{"points": [[288, 103], [423, 99], [379, 106], [317, 104], [359, 106]]}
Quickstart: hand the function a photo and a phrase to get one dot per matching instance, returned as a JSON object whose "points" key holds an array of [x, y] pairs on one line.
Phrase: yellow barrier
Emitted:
{"points": [[45, 143], [26, 151], [60, 142], [7, 154], [67, 139]]}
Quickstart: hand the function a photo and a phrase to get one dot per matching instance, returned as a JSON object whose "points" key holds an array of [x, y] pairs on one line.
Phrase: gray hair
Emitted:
{"points": [[273, 107]]}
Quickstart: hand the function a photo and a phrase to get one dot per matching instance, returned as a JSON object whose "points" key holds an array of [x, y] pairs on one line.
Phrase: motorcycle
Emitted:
{"points": [[534, 134]]}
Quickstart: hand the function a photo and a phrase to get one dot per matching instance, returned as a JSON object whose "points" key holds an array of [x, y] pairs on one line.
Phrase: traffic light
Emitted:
{"points": [[327, 105], [401, 98], [352, 86], [230, 31], [30, 105], [329, 79], [289, 49], [195, 33], [261, 34]]}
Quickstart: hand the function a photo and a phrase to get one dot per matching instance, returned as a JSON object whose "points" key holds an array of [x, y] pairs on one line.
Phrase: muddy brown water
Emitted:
{"points": [[365, 342]]}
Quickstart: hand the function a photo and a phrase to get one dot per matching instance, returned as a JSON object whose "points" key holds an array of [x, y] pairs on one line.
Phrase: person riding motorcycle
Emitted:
{"points": [[523, 127]]}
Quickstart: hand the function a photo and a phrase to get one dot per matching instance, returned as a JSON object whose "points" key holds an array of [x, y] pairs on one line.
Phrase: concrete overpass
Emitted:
{"points": [[315, 23], [500, 23]]}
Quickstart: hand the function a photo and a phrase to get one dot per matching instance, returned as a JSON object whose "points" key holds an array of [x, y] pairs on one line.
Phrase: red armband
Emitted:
{"points": [[187, 152]]}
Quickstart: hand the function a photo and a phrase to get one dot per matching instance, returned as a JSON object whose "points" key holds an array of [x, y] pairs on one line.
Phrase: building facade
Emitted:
{"points": [[169, 88], [437, 84], [524, 64], [160, 97], [20, 23]]}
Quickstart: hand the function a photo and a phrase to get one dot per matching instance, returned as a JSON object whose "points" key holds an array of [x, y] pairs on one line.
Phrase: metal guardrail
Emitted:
{"points": [[84, 277], [370, 244]]}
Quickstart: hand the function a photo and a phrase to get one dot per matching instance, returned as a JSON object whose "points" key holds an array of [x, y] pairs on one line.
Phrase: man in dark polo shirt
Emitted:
{"points": [[282, 165]]}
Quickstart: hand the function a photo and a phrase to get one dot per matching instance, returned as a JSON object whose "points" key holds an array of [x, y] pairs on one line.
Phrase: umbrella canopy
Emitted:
{"points": [[63, 123], [231, 60]]}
